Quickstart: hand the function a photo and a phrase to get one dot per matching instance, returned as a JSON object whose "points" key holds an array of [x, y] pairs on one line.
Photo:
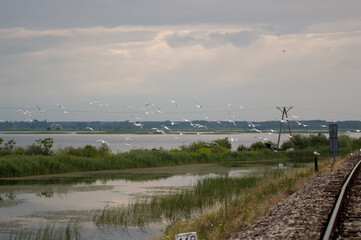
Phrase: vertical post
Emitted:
{"points": [[289, 128], [316, 164], [284, 113], [333, 131], [279, 133]]}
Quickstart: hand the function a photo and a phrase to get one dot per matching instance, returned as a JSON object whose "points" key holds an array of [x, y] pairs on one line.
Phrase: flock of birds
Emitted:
{"points": [[149, 108]]}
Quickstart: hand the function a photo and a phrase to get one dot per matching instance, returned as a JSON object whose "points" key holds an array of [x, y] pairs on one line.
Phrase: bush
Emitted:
{"points": [[217, 146], [41, 147], [8, 147], [87, 151], [303, 142], [242, 148], [257, 146], [224, 143]]}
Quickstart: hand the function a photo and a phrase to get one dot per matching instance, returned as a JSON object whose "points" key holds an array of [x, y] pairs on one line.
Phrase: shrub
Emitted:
{"points": [[33, 149], [241, 148], [8, 147], [104, 149], [303, 142], [40, 147], [217, 146], [257, 146], [204, 150], [224, 143]]}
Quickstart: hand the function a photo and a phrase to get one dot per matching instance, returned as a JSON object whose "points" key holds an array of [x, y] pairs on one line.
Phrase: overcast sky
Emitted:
{"points": [[108, 60]]}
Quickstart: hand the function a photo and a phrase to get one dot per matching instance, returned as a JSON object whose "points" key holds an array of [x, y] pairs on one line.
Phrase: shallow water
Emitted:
{"points": [[33, 202]]}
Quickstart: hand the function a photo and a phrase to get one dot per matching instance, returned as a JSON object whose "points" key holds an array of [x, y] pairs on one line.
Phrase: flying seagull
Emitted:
{"points": [[197, 104], [40, 110], [173, 102], [103, 142]]}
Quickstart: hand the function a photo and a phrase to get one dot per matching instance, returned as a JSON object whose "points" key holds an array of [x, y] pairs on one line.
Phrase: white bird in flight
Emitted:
{"points": [[231, 121], [173, 102], [103, 142], [167, 128], [251, 125], [290, 136], [40, 110], [197, 104], [25, 112], [60, 106], [173, 123], [138, 125], [56, 125], [158, 130]]}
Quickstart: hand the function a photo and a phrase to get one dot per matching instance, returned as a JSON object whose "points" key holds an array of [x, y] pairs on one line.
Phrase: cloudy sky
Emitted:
{"points": [[108, 60]]}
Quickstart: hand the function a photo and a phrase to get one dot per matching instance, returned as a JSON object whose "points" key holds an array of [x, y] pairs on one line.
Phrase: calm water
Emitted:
{"points": [[34, 202], [126, 142]]}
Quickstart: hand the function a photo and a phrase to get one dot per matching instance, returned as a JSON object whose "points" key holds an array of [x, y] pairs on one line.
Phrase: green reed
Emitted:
{"points": [[49, 232], [24, 165], [179, 204]]}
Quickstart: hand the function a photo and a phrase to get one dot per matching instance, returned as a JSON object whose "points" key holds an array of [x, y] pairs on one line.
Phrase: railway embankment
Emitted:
{"points": [[304, 214]]}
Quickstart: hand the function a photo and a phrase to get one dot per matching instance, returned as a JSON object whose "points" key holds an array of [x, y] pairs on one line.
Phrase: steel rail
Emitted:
{"points": [[336, 209]]}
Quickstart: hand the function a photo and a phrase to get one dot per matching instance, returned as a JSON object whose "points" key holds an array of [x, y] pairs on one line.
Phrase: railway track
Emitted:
{"points": [[345, 218], [306, 212]]}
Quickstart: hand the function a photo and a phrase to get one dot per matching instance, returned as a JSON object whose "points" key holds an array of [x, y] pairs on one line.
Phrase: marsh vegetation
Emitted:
{"points": [[215, 206]]}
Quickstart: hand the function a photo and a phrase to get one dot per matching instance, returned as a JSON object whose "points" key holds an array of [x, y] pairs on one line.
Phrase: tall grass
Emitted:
{"points": [[70, 232], [228, 218], [180, 204], [24, 165]]}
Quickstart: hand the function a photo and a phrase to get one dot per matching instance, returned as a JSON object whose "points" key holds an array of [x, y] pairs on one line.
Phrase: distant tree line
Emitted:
{"points": [[197, 125]]}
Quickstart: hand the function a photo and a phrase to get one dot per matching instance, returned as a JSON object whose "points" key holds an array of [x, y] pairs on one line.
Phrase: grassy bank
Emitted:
{"points": [[31, 165], [24, 165], [40, 159], [227, 217]]}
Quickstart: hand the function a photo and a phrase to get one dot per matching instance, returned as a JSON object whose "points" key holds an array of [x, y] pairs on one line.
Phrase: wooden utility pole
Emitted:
{"points": [[284, 111]]}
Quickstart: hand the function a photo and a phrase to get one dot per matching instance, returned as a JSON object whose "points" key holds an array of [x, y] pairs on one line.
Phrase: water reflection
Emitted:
{"points": [[62, 197], [90, 179]]}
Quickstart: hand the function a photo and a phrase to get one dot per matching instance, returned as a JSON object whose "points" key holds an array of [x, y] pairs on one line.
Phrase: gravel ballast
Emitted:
{"points": [[303, 214]]}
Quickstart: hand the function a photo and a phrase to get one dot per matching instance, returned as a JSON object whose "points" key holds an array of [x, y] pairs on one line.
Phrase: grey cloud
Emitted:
{"points": [[22, 45], [109, 13], [241, 38], [25, 45]]}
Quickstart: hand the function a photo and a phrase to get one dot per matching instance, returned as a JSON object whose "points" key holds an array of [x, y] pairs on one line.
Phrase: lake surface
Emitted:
{"points": [[126, 142], [32, 202]]}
